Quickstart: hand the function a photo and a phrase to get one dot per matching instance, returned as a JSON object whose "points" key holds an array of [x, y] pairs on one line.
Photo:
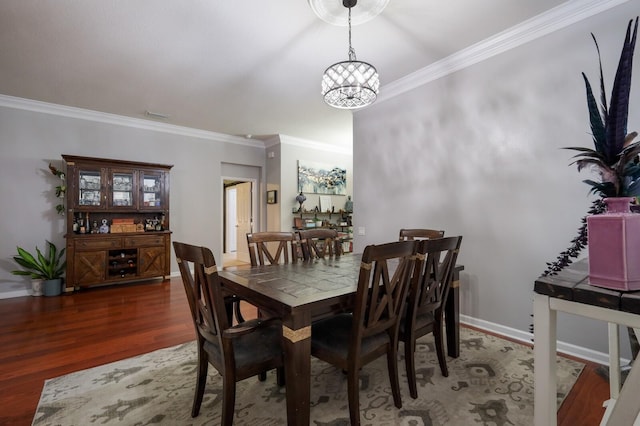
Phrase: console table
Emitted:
{"points": [[570, 291]]}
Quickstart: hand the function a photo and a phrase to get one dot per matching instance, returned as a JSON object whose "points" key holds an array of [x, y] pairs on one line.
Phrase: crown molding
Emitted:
{"points": [[309, 144], [545, 23], [119, 120]]}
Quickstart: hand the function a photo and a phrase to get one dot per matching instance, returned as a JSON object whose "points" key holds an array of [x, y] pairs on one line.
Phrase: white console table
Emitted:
{"points": [[570, 291]]}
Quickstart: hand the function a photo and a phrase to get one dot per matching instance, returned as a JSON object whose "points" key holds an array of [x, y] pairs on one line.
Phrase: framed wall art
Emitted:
{"points": [[318, 178], [272, 197]]}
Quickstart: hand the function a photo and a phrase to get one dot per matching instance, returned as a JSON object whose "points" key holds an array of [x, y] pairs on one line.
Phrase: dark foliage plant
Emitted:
{"points": [[615, 154]]}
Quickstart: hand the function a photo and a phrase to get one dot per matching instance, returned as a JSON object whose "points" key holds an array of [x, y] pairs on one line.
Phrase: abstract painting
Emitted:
{"points": [[318, 178]]}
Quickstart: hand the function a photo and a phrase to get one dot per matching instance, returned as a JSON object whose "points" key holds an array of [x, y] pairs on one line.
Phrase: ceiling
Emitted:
{"points": [[241, 67]]}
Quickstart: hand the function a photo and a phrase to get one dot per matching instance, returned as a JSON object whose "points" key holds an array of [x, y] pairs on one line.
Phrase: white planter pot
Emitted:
{"points": [[36, 287]]}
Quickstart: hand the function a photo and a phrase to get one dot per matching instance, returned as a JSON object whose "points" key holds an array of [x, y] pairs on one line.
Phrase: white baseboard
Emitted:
{"points": [[15, 293], [527, 338]]}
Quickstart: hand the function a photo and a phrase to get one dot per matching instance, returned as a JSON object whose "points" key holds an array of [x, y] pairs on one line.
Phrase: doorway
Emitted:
{"points": [[238, 219]]}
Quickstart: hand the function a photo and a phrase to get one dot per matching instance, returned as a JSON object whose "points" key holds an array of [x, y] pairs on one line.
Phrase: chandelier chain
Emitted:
{"points": [[352, 52]]}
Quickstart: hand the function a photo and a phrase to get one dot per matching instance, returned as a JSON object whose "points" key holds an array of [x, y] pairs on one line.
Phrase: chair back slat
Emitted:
{"points": [[382, 286], [271, 248], [202, 285], [320, 243], [432, 276], [420, 234]]}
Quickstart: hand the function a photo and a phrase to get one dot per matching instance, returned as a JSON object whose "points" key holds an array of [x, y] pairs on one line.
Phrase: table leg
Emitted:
{"points": [[297, 357], [614, 361], [626, 410], [544, 358], [452, 317]]}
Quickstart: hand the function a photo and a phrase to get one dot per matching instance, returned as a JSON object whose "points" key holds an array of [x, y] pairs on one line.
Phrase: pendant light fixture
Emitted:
{"points": [[350, 84]]}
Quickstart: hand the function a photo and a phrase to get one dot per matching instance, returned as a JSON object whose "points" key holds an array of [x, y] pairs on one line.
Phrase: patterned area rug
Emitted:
{"points": [[491, 383]]}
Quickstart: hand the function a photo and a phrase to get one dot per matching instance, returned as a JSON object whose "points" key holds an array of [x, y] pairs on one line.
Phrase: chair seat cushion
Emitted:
{"points": [[254, 348], [423, 319], [333, 334]]}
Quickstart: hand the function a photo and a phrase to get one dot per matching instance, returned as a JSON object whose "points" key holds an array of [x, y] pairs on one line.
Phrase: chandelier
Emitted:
{"points": [[350, 84]]}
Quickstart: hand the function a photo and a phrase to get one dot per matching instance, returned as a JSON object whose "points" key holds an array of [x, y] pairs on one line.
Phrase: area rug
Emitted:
{"points": [[491, 383]]}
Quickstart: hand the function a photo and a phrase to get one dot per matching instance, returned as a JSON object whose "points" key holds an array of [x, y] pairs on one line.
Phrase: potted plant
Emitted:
{"points": [[49, 268]]}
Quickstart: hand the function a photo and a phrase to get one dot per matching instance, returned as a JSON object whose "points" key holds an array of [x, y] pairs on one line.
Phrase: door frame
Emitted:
{"points": [[255, 207]]}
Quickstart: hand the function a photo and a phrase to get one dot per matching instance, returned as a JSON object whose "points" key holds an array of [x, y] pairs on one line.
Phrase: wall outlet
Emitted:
{"points": [[360, 230]]}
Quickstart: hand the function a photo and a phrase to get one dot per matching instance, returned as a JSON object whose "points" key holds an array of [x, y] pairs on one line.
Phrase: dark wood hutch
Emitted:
{"points": [[117, 221]]}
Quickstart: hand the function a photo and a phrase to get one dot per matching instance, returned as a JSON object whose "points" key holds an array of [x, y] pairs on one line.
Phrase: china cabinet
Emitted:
{"points": [[117, 221]]}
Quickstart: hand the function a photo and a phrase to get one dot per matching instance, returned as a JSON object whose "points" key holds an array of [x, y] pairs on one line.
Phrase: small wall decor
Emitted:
{"points": [[317, 178], [272, 197]]}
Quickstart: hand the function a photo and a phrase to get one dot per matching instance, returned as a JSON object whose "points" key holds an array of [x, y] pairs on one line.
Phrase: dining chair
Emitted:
{"points": [[424, 314], [237, 352], [352, 340], [320, 243], [420, 234], [270, 248]]}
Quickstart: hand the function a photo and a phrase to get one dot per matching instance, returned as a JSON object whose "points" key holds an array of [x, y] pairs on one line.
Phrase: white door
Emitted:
{"points": [[244, 219], [231, 219]]}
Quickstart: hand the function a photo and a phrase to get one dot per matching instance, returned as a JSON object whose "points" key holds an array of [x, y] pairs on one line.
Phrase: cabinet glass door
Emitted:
{"points": [[152, 190], [89, 188], [122, 189]]}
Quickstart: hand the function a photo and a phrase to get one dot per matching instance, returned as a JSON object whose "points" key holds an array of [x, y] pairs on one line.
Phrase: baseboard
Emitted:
{"points": [[15, 293], [527, 338]]}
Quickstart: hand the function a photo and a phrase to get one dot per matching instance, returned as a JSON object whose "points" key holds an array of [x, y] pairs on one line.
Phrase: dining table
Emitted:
{"points": [[300, 293]]}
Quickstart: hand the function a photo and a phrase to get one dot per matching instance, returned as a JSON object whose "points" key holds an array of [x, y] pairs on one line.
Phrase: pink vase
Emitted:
{"points": [[614, 246]]}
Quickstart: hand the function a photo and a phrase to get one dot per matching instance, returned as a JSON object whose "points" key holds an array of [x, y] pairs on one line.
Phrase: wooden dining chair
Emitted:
{"points": [[424, 314], [270, 248], [420, 234], [352, 340], [237, 352], [320, 243]]}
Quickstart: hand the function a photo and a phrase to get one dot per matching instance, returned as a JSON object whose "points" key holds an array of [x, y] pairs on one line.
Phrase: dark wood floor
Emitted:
{"points": [[45, 337]]}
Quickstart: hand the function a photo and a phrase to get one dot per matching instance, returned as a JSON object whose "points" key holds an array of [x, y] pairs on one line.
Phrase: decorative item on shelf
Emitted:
{"points": [[300, 198], [104, 228], [615, 156], [120, 225], [348, 205], [48, 267], [614, 246]]}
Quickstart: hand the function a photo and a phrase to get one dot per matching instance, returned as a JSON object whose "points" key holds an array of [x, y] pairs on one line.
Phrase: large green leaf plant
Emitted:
{"points": [[49, 266], [615, 154]]}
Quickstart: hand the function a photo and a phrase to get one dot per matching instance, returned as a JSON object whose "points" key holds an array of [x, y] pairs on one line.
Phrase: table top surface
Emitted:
{"points": [[572, 283], [298, 284]]}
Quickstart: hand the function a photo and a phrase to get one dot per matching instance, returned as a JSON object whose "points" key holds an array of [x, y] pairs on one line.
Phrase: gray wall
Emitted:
{"points": [[478, 153], [31, 138]]}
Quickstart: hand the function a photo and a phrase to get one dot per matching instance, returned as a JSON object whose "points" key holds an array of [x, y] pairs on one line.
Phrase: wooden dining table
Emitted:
{"points": [[303, 292]]}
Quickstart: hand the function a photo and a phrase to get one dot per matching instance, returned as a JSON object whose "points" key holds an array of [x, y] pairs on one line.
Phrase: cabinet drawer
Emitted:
{"points": [[144, 241], [101, 244]]}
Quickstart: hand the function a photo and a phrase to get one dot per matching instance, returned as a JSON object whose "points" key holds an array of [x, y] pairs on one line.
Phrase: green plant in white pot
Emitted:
{"points": [[48, 267]]}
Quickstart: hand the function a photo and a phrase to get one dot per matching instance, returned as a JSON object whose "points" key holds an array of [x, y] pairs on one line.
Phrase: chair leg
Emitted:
{"points": [[201, 380], [353, 392], [392, 366], [280, 376], [438, 335], [410, 364], [238, 312], [228, 400]]}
